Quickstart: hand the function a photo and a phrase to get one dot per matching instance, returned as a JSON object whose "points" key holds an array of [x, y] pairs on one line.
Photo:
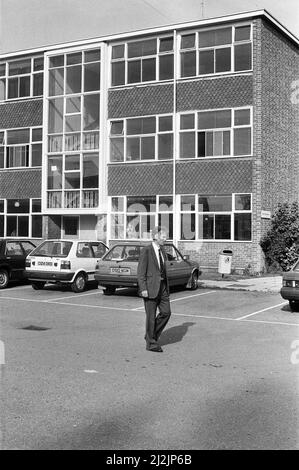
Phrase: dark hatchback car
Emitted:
{"points": [[290, 286], [118, 268], [13, 253]]}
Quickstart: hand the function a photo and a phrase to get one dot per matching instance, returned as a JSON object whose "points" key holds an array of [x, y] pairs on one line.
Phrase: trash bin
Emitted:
{"points": [[225, 261]]}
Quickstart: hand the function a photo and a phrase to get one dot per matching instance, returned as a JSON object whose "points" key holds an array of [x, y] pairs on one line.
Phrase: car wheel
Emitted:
{"points": [[294, 306], [79, 284], [38, 285], [110, 290], [4, 278], [194, 281]]}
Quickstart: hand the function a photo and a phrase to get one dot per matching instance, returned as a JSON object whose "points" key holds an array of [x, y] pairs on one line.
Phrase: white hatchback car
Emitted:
{"points": [[64, 261]]}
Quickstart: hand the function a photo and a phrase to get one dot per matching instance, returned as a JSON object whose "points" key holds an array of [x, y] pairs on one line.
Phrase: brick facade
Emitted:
{"points": [[25, 183], [26, 113]]}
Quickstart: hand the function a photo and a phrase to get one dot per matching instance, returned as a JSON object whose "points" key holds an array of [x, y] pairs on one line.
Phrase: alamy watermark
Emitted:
{"points": [[295, 93], [295, 353]]}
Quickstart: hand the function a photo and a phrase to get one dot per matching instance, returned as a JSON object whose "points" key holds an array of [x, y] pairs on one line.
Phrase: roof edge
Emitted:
{"points": [[156, 30]]}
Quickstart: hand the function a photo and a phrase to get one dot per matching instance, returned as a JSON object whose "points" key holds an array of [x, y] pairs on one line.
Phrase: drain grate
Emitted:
{"points": [[35, 328]]}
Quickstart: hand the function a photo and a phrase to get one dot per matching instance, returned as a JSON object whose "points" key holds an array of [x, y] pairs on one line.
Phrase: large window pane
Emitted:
{"points": [[72, 162], [165, 146], [19, 67], [73, 123], [147, 148], [72, 181], [141, 204], [18, 206], [55, 124], [56, 77], [242, 141], [214, 119], [187, 145], [223, 60], [242, 227], [188, 64], [24, 86], [215, 203], [37, 84], [13, 88], [133, 148], [1, 225], [142, 48], [36, 157], [215, 37], [118, 73], [134, 71], [242, 33], [90, 171], [242, 202], [92, 75], [18, 136], [91, 112], [242, 117], [73, 79], [11, 226], [222, 227], [117, 149], [206, 62], [37, 226], [2, 89], [55, 172], [187, 226], [148, 70], [243, 57]]}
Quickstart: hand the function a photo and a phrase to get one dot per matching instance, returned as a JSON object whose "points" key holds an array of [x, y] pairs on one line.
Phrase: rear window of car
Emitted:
{"points": [[123, 252], [59, 249]]}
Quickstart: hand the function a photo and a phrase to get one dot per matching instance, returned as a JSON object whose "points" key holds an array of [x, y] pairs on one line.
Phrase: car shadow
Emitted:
{"points": [[175, 334]]}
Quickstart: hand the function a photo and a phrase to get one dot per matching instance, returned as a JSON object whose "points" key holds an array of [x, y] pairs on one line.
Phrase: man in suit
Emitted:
{"points": [[154, 288]]}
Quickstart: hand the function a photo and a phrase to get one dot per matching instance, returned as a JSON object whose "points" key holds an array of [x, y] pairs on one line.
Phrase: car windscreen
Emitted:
{"points": [[123, 252], [58, 249]]}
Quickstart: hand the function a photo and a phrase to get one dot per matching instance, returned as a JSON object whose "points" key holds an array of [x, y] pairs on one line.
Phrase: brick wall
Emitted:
{"points": [[280, 118], [25, 113], [25, 183], [216, 92]]}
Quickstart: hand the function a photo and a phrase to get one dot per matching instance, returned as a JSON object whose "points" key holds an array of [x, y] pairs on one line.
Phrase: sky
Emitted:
{"points": [[26, 24]]}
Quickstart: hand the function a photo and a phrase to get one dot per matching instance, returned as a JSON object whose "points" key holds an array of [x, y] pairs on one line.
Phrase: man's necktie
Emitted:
{"points": [[161, 260]]}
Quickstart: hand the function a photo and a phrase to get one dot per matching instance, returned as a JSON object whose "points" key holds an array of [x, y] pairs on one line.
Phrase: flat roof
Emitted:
{"points": [[158, 30]]}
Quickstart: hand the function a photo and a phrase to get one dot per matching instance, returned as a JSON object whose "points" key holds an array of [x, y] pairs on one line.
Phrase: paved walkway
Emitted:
{"points": [[263, 284]]}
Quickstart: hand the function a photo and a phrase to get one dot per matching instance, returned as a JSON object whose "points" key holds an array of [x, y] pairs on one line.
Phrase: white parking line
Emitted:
{"points": [[260, 311], [182, 298], [207, 317], [76, 295]]}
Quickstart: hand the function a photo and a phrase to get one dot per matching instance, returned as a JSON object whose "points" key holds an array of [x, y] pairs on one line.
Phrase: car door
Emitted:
{"points": [[178, 269], [15, 257], [99, 249], [85, 259]]}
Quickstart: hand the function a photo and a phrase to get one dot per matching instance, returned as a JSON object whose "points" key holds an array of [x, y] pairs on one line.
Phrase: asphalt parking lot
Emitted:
{"points": [[77, 375]]}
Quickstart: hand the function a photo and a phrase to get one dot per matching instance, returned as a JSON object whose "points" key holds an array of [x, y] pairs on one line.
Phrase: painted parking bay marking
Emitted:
{"points": [[260, 311], [182, 298]]}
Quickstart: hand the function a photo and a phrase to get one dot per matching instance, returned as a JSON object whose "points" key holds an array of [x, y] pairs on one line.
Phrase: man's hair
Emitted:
{"points": [[156, 230]]}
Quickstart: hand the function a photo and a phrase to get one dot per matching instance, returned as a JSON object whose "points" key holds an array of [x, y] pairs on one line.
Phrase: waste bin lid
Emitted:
{"points": [[227, 252]]}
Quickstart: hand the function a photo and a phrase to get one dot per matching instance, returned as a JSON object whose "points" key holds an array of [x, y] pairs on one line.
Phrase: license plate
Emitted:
{"points": [[44, 263], [120, 270]]}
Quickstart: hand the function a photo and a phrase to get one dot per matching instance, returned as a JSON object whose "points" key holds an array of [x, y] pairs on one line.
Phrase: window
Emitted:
{"points": [[21, 148], [133, 217], [216, 51], [74, 129], [136, 139], [21, 218], [142, 61], [21, 78], [216, 217], [215, 133]]}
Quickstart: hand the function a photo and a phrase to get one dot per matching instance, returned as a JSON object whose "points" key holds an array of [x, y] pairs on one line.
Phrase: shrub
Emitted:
{"points": [[280, 244]]}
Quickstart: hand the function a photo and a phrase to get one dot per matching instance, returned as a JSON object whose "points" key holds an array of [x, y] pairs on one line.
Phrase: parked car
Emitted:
{"points": [[118, 268], [64, 261], [13, 253], [290, 286]]}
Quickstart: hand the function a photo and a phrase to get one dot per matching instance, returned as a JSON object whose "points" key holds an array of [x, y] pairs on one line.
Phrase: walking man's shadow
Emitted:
{"points": [[175, 334]]}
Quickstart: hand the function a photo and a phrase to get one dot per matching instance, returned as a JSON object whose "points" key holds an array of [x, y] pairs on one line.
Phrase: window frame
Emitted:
{"points": [[125, 136], [126, 59], [197, 49], [28, 145], [231, 129], [32, 74], [232, 214]]}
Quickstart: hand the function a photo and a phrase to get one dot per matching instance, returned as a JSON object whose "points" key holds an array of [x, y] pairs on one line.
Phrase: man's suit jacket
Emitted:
{"points": [[148, 271]]}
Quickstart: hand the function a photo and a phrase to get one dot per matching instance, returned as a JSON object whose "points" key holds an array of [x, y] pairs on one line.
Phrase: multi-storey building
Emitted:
{"points": [[194, 126]]}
